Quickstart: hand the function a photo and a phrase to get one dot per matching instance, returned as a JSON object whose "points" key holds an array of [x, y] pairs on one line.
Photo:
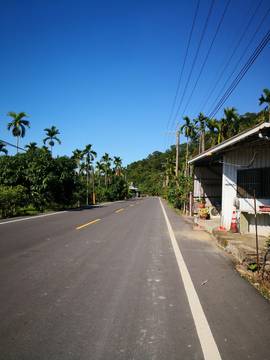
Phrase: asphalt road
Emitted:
{"points": [[109, 283]]}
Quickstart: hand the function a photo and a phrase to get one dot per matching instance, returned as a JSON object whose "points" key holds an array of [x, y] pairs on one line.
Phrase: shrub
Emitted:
{"points": [[12, 198]]}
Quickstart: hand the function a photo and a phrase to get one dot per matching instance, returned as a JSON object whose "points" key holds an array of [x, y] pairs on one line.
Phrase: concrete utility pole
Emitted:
{"points": [[177, 153]]}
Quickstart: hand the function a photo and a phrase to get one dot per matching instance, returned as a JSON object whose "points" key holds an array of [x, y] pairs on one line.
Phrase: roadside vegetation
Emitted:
{"points": [[33, 180], [156, 175]]}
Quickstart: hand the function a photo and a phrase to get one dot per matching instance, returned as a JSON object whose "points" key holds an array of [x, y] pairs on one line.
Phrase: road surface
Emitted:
{"points": [[129, 280]]}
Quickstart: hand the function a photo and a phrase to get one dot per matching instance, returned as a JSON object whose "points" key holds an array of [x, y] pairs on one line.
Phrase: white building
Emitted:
{"points": [[228, 174]]}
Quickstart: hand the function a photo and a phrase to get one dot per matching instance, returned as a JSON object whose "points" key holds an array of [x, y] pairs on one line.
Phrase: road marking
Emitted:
{"points": [[87, 224], [119, 210], [207, 341], [131, 205], [32, 217]]}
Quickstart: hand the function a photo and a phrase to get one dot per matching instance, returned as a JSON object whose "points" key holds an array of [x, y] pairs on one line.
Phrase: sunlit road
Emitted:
{"points": [[110, 283]]}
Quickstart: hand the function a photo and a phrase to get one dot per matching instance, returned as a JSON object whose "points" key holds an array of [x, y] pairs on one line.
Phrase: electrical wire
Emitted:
{"points": [[252, 17], [241, 57], [242, 73], [207, 55], [179, 82], [12, 145], [194, 60]]}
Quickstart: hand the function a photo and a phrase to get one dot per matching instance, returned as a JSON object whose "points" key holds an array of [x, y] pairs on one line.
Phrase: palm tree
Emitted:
{"points": [[78, 156], [117, 165], [213, 126], [32, 146], [230, 123], [188, 129], [51, 137], [202, 123], [100, 169], [265, 99], [107, 164], [3, 148], [18, 125], [90, 155]]}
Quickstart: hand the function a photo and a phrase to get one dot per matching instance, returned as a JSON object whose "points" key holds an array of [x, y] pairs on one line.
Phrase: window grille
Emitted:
{"points": [[253, 179]]}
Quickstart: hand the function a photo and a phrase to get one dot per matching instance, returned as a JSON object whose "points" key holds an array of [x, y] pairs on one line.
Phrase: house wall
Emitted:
{"points": [[208, 184], [240, 159]]}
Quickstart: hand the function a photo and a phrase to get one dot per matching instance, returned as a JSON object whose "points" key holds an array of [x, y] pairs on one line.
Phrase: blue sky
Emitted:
{"points": [[105, 72]]}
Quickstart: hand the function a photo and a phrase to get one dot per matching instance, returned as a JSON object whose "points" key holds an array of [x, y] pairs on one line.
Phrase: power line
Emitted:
{"points": [[232, 55], [242, 73], [12, 145], [179, 82], [195, 58], [207, 55], [241, 56]]}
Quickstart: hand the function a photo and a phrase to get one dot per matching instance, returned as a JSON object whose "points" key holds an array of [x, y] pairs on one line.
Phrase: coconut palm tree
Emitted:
{"points": [[3, 148], [32, 146], [265, 99], [188, 130], [18, 125], [51, 136], [117, 161], [90, 156], [106, 160]]}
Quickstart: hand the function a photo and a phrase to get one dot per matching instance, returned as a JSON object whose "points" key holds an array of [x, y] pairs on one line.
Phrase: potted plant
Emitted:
{"points": [[204, 213], [201, 203]]}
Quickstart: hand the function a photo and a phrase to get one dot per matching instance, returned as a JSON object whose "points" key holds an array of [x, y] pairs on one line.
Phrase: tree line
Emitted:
{"points": [[34, 181]]}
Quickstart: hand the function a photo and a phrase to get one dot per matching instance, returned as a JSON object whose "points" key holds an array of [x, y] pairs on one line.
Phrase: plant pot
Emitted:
{"points": [[201, 205]]}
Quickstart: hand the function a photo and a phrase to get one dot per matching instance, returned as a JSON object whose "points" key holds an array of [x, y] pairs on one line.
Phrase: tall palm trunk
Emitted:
{"points": [[87, 187], [93, 189], [18, 144], [106, 179], [186, 167]]}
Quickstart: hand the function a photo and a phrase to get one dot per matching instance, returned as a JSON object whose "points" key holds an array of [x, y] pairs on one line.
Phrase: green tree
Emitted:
{"points": [[100, 170], [18, 125], [169, 168], [32, 146], [77, 156], [51, 136], [201, 121], [3, 148], [231, 123], [117, 161], [90, 156], [265, 99], [106, 160], [188, 130]]}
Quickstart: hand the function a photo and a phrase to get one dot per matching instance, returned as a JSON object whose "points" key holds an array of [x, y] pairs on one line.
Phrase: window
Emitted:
{"points": [[253, 179]]}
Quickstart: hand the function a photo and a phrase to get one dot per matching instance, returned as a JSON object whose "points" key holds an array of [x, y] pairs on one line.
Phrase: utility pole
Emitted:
{"points": [[177, 152], [177, 133]]}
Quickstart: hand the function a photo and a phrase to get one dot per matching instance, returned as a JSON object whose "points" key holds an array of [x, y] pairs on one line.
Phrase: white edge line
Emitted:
{"points": [[32, 217], [206, 338]]}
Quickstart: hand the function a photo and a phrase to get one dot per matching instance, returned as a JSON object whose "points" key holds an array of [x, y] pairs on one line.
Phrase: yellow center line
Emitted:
{"points": [[87, 224], [119, 210]]}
